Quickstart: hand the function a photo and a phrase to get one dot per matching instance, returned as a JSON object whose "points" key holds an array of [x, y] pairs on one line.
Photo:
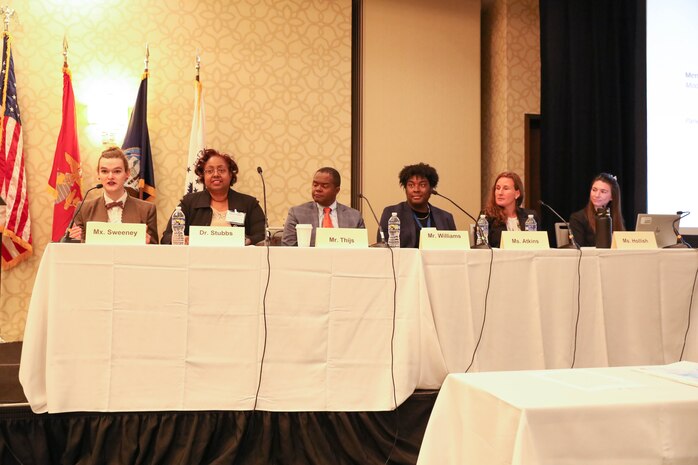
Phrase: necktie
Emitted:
{"points": [[111, 205], [326, 220]]}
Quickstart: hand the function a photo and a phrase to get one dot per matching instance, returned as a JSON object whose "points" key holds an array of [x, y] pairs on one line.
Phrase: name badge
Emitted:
{"points": [[341, 238], [97, 232], [633, 240], [524, 240], [433, 239], [235, 217], [220, 236]]}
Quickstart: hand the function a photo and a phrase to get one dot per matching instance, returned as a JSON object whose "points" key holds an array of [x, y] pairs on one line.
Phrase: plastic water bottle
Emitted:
{"points": [[531, 224], [394, 231], [178, 223], [482, 231]]}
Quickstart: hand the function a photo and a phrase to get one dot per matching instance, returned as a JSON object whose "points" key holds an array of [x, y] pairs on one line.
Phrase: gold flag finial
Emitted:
{"points": [[65, 50], [147, 56], [8, 13], [198, 63]]}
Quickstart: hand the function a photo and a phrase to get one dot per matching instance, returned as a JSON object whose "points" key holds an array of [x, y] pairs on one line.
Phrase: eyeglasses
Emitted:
{"points": [[217, 170]]}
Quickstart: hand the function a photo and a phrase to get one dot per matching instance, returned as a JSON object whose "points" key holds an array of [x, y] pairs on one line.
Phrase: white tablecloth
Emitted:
{"points": [[130, 328], [634, 307], [181, 328], [600, 416]]}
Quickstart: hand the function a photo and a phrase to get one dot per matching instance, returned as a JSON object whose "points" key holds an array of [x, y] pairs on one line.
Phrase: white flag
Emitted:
{"points": [[196, 140]]}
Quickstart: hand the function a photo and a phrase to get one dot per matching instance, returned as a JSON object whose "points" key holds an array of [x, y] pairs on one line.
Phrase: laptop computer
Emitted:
{"points": [[662, 225]]}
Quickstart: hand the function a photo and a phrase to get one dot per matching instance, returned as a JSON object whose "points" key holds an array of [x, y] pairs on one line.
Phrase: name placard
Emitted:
{"points": [[97, 232], [524, 240], [629, 240], [341, 238], [432, 239], [219, 236]]}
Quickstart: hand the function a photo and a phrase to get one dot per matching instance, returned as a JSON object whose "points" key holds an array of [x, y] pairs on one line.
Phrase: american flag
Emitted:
{"points": [[14, 220]]}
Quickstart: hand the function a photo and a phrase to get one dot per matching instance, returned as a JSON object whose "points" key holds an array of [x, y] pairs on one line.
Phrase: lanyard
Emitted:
{"points": [[419, 223]]}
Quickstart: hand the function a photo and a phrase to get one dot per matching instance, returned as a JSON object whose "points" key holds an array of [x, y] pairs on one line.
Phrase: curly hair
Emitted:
{"points": [[493, 210], [614, 205], [205, 155], [421, 170]]}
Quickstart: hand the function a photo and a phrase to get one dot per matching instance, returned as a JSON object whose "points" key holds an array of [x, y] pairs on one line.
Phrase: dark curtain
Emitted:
{"points": [[593, 102], [230, 438]]}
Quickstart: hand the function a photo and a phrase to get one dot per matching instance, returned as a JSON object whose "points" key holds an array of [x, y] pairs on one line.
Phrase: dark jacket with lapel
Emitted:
{"points": [[197, 211], [443, 221]]}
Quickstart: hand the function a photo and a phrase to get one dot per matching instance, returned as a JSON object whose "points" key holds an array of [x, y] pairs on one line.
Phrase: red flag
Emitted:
{"points": [[15, 224], [65, 182]]}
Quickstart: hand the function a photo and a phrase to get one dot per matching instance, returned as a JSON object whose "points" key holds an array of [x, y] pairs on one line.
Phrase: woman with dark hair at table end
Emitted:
{"points": [[604, 193]]}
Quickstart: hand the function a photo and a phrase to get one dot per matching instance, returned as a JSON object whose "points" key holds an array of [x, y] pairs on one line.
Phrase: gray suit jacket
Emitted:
{"points": [[135, 211], [308, 213]]}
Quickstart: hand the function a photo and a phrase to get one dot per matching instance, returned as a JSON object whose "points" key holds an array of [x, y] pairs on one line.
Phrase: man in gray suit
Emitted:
{"points": [[323, 211]]}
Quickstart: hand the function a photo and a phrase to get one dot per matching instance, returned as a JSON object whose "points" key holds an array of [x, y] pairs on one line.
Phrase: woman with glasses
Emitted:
{"points": [[218, 204]]}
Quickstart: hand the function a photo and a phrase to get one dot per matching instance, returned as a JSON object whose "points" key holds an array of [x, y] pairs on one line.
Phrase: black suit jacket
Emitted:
{"points": [[443, 221], [581, 229], [197, 211], [496, 228]]}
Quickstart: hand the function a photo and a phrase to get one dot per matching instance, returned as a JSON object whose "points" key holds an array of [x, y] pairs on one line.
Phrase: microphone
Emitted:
{"points": [[267, 236], [66, 238], [382, 242], [572, 243], [680, 242], [486, 244]]}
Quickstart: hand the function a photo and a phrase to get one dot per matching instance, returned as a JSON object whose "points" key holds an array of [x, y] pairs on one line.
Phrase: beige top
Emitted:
{"points": [[218, 218]]}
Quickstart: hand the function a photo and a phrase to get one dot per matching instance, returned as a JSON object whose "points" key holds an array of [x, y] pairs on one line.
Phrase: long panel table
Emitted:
{"points": [[133, 328], [601, 416]]}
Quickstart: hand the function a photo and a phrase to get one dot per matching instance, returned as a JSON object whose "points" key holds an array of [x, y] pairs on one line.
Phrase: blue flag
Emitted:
{"points": [[136, 146]]}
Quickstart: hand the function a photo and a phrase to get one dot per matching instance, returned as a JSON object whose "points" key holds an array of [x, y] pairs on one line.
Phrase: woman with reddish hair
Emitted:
{"points": [[503, 209]]}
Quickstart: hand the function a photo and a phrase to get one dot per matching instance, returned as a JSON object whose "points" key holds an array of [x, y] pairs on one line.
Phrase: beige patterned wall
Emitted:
{"points": [[421, 84], [510, 83], [277, 83]]}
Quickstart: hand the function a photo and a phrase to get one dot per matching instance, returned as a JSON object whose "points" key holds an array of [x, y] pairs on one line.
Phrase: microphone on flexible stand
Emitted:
{"points": [[267, 235], [485, 244], [66, 237], [680, 242], [572, 244], [382, 242]]}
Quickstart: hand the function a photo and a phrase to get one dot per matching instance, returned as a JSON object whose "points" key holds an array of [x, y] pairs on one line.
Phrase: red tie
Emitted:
{"points": [[326, 220], [111, 205]]}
